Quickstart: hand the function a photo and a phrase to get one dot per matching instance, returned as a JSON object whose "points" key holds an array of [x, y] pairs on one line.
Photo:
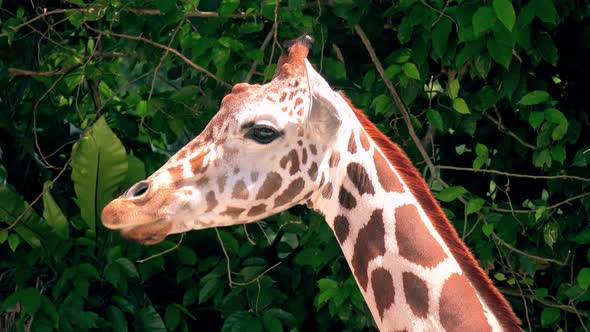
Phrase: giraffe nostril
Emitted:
{"points": [[138, 190]]}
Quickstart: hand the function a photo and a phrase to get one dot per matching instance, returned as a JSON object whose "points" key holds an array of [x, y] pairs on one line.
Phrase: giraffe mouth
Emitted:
{"points": [[148, 234]]}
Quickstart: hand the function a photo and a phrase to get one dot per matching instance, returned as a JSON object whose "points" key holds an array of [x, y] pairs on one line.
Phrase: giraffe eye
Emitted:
{"points": [[262, 134]]}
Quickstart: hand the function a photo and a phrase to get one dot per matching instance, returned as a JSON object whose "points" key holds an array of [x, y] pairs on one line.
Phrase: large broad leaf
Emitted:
{"points": [[99, 165], [30, 226], [53, 214]]}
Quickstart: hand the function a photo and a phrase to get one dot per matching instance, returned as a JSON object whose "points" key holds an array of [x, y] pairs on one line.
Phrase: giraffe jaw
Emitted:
{"points": [[148, 234]]}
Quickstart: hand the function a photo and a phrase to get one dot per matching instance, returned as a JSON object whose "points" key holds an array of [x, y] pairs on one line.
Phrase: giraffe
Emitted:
{"points": [[297, 141]]}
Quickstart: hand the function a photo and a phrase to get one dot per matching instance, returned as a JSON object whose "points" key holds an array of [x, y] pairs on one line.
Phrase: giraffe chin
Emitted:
{"points": [[148, 234]]}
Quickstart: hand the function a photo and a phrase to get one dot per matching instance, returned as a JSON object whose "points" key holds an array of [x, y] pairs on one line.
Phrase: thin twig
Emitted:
{"points": [[194, 13], [163, 252], [157, 69], [550, 207], [535, 257], [514, 175], [396, 98], [164, 47], [509, 132], [258, 277], [256, 62], [560, 306]]}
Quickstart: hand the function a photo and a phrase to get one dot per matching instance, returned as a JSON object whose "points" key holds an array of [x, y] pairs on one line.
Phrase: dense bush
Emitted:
{"points": [[96, 95]]}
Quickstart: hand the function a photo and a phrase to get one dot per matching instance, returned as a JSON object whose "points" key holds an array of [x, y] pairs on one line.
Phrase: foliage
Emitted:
{"points": [[97, 94]]}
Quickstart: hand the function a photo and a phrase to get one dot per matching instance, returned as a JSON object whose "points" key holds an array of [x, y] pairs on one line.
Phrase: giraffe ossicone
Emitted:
{"points": [[297, 141]]}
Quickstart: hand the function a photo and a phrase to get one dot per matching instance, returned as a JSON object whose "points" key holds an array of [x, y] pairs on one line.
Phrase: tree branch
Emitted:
{"points": [[514, 175]]}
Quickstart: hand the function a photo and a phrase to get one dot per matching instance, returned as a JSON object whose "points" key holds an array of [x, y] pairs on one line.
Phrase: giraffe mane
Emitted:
{"points": [[479, 279]]}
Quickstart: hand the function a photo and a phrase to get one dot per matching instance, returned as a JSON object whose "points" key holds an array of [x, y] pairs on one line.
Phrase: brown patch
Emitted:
{"points": [[313, 171], [254, 176], [385, 175], [232, 212], [291, 113], [292, 158], [283, 97], [292, 94], [352, 143], [300, 132], [271, 99], [360, 178], [364, 140], [313, 149], [346, 199], [202, 181], [460, 309], [298, 102], [383, 290], [221, 183], [323, 179], [240, 190], [197, 163], [304, 156], [176, 171], [284, 109], [410, 175], [341, 228], [292, 190], [256, 210], [300, 111], [416, 293], [271, 184], [300, 142], [327, 191], [236, 170], [181, 154], [211, 201], [414, 240], [334, 159], [370, 244]]}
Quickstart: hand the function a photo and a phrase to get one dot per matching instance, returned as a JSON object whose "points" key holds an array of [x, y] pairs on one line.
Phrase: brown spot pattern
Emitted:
{"points": [[271, 184], [292, 158], [304, 156], [254, 176], [370, 243], [460, 309], [383, 290], [283, 97], [202, 181], [334, 159], [352, 144], [360, 178], [197, 163], [416, 293], [364, 140], [313, 171], [346, 199], [176, 171], [327, 191], [313, 149], [221, 183], [385, 175], [232, 212], [293, 189], [211, 201], [256, 210], [240, 190], [298, 102], [341, 228], [415, 242]]}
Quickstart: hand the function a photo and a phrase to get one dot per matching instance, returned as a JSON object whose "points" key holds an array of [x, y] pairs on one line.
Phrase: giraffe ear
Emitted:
{"points": [[323, 117]]}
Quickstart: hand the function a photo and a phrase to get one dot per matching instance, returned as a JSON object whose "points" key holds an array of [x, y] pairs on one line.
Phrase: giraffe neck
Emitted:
{"points": [[399, 251]]}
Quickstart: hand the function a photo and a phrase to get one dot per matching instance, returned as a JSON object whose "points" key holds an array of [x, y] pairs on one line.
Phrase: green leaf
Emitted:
{"points": [[13, 242], [584, 278], [190, 296], [392, 71], [383, 105], [483, 20], [505, 13], [435, 119], [542, 157], [553, 115], [499, 276], [411, 71], [482, 156], [117, 319], [545, 10], [454, 89], [474, 205], [460, 106], [550, 233], [172, 317], [536, 118], [229, 241], [128, 267], [208, 289], [29, 298], [541, 293], [549, 316], [142, 108], [534, 98], [99, 165], [451, 193], [440, 37], [328, 288], [271, 323], [53, 214], [150, 320], [487, 229], [227, 7]]}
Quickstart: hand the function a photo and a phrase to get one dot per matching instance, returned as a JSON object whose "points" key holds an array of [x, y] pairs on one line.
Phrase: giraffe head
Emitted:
{"points": [[266, 150]]}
